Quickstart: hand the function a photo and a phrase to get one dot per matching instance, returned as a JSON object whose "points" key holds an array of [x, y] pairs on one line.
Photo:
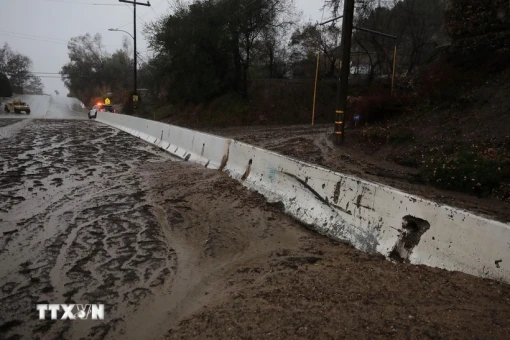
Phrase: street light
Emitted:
{"points": [[134, 3], [134, 57], [117, 30]]}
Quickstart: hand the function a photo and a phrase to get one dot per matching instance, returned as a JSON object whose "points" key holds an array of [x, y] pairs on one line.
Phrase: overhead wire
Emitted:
{"points": [[71, 2], [140, 17], [323, 8], [31, 36], [143, 16]]}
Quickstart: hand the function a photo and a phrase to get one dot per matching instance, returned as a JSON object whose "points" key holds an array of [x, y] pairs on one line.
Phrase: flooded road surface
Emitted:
{"points": [[74, 224], [47, 106], [89, 214]]}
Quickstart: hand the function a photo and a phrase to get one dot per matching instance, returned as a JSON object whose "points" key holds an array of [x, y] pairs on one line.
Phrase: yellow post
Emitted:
{"points": [[315, 90], [394, 67]]}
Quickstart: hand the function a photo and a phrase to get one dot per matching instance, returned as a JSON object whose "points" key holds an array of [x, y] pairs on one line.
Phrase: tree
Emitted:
{"points": [[56, 92], [271, 53], [82, 74], [310, 39], [18, 68], [208, 47], [92, 71], [34, 86], [418, 25], [468, 18], [336, 6], [250, 21], [19, 71], [193, 52], [6, 54], [5, 86]]}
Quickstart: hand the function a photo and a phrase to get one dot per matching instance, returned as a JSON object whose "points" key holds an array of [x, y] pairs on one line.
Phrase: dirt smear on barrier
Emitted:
{"points": [[175, 250]]}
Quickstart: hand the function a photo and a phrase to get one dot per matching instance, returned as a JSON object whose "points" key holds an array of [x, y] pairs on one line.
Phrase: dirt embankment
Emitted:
{"points": [[270, 101]]}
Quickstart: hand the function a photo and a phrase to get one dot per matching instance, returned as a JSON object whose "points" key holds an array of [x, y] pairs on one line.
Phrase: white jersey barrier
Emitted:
{"points": [[372, 217]]}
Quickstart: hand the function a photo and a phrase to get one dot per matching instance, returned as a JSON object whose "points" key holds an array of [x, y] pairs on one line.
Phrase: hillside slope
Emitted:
{"points": [[445, 135], [449, 143]]}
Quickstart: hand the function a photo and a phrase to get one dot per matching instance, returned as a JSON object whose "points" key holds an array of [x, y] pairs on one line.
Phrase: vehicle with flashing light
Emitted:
{"points": [[100, 107], [17, 106]]}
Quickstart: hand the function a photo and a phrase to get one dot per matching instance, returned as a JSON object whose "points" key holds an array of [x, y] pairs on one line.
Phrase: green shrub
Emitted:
{"points": [[375, 134], [468, 18], [401, 137], [378, 107], [409, 161], [467, 171]]}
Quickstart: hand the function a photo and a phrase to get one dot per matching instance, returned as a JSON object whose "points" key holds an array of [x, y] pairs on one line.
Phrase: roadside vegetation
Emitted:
{"points": [[237, 63], [16, 74]]}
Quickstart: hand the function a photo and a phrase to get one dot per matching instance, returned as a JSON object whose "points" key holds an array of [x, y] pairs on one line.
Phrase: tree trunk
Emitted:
{"points": [[245, 76], [332, 68], [237, 62], [271, 64]]}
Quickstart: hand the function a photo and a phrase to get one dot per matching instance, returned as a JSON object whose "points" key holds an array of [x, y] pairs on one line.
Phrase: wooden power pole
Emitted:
{"points": [[135, 94], [341, 101]]}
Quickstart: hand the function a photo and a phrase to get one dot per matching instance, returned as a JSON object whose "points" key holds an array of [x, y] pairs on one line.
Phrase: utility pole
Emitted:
{"points": [[345, 46], [341, 101], [135, 94]]}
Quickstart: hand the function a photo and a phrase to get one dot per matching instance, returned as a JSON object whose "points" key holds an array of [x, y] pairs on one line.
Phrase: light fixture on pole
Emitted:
{"points": [[134, 3], [117, 30]]}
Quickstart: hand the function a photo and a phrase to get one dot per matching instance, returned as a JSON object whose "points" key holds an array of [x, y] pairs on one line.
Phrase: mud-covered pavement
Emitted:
{"points": [[89, 214], [74, 224]]}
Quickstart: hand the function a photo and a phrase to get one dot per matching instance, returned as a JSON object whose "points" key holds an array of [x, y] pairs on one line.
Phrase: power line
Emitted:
{"points": [[33, 39], [45, 72], [81, 3], [129, 23], [70, 2], [143, 16], [323, 8], [37, 38], [21, 35]]}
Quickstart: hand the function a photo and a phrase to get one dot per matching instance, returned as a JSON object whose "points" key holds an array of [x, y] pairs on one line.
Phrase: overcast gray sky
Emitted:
{"points": [[41, 29]]}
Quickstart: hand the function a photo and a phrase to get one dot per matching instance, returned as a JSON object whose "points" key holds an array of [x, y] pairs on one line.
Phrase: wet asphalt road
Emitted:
{"points": [[64, 186], [45, 106]]}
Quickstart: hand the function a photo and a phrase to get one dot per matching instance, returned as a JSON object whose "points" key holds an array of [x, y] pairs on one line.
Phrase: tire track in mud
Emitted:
{"points": [[7, 122], [75, 227]]}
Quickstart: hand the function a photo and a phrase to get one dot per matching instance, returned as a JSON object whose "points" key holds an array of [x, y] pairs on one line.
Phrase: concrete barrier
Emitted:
{"points": [[208, 150], [372, 217]]}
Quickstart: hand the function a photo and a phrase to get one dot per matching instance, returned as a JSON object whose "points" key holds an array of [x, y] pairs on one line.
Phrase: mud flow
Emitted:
{"points": [[89, 214]]}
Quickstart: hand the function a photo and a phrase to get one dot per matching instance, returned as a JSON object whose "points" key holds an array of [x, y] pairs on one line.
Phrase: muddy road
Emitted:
{"points": [[89, 214], [47, 106]]}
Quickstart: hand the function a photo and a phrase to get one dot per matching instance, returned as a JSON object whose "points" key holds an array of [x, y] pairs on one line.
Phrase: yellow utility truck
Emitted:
{"points": [[17, 106]]}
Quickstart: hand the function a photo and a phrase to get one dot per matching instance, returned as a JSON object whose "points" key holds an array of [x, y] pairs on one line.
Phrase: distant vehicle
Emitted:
{"points": [[100, 108], [17, 106]]}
